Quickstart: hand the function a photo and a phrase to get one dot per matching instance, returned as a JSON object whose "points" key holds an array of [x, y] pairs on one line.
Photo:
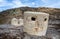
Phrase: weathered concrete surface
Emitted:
{"points": [[36, 23]]}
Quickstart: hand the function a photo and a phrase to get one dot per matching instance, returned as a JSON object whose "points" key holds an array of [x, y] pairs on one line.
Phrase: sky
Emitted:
{"points": [[8, 4]]}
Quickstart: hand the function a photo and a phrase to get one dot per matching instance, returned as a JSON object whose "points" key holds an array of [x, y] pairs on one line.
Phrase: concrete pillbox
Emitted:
{"points": [[35, 23]]}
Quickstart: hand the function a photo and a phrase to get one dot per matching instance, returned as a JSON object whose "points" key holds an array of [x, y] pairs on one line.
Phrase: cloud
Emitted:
{"points": [[33, 3], [45, 1], [56, 5], [52, 4], [17, 3], [2, 1], [4, 4]]}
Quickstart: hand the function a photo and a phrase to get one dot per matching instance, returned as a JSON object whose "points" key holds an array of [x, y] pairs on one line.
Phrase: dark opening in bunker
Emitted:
{"points": [[45, 19], [33, 18]]}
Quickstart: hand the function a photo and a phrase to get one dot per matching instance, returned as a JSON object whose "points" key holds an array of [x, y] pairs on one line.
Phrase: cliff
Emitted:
{"points": [[54, 18]]}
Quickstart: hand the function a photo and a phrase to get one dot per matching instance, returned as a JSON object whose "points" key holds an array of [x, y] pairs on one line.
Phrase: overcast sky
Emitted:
{"points": [[8, 4]]}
